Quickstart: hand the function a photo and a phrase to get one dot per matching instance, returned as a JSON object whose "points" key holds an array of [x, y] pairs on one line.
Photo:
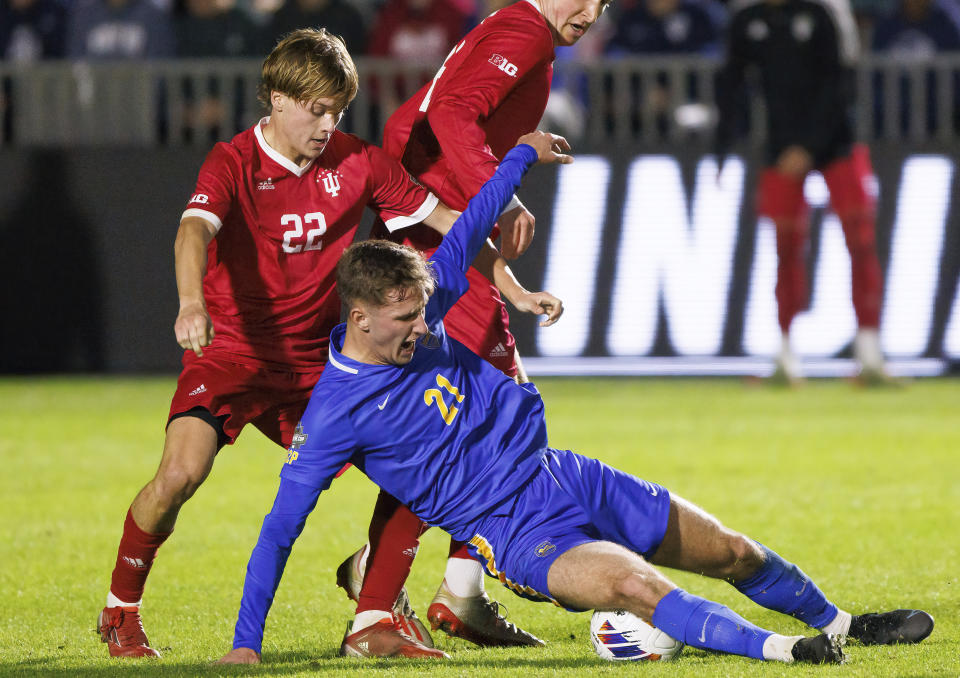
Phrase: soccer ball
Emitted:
{"points": [[618, 635]]}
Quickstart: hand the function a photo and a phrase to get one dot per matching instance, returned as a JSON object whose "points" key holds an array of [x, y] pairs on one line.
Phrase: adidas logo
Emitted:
{"points": [[364, 646], [498, 351], [266, 185], [135, 562], [410, 552], [198, 390]]}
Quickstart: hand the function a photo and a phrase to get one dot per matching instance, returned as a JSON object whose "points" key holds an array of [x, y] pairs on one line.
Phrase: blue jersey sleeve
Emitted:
{"points": [[281, 527], [462, 244]]}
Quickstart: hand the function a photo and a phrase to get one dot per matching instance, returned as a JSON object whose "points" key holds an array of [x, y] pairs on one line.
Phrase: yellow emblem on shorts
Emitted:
{"points": [[544, 548]]}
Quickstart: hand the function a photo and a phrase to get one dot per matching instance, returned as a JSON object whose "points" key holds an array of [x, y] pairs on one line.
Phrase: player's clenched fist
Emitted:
{"points": [[193, 328]]}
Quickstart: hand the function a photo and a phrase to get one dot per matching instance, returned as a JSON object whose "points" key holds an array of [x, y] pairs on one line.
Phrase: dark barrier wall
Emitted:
{"points": [[86, 240]]}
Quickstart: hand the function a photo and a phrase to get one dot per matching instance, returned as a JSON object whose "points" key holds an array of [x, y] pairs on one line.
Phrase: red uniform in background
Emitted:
{"points": [[491, 89]]}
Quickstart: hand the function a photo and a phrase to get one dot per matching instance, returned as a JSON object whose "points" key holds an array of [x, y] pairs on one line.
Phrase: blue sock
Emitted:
{"points": [[702, 623], [782, 586]]}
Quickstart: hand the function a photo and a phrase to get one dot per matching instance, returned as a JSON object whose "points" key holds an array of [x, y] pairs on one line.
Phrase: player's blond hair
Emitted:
{"points": [[368, 271], [307, 64]]}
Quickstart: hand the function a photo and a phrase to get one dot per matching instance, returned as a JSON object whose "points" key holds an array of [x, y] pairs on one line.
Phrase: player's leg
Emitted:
{"points": [[780, 198], [189, 450], [846, 179], [606, 576], [696, 541]]}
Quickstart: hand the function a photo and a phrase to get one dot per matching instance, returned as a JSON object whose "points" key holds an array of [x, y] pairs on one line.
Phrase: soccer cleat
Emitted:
{"points": [[476, 619], [786, 369], [890, 628], [385, 639], [122, 630], [823, 649], [350, 579]]}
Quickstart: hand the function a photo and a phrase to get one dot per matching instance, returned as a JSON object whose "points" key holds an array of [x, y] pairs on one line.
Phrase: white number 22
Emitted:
{"points": [[313, 235]]}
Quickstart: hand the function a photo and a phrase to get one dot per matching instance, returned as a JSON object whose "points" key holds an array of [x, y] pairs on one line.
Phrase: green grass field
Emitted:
{"points": [[861, 488]]}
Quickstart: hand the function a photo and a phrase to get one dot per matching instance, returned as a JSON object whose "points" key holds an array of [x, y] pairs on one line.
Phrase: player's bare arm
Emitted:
{"points": [[193, 326], [493, 266]]}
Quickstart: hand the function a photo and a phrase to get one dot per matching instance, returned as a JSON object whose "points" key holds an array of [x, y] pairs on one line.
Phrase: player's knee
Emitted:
{"points": [[739, 557], [175, 484]]}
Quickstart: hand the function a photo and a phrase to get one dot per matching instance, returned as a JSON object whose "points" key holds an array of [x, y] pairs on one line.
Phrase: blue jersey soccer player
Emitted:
{"points": [[465, 447]]}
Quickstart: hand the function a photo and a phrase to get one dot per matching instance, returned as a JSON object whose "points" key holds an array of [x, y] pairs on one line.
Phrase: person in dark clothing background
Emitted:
{"points": [[804, 51]]}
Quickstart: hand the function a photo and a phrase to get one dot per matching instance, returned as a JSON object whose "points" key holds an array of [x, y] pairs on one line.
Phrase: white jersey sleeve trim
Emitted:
{"points": [[422, 213], [205, 215], [340, 366], [514, 203]]}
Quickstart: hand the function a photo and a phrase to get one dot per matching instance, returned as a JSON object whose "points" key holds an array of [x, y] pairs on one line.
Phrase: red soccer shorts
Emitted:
{"points": [[271, 400], [781, 197], [480, 322]]}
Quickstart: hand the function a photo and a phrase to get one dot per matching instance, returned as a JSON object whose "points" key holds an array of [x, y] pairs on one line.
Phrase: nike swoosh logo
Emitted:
{"points": [[804, 588], [384, 403], [703, 631]]}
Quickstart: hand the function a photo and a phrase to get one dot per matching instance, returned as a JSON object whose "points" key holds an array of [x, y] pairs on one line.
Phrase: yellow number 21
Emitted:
{"points": [[435, 396]]}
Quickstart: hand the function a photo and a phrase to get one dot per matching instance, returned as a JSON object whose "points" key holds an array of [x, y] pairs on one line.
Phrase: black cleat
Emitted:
{"points": [[890, 628], [822, 649]]}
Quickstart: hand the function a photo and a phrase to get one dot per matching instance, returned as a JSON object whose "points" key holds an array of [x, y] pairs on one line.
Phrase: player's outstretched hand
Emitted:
{"points": [[193, 328], [541, 303], [550, 147], [240, 655]]}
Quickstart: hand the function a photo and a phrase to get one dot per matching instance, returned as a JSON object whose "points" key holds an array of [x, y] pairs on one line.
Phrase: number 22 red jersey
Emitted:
{"points": [[270, 280]]}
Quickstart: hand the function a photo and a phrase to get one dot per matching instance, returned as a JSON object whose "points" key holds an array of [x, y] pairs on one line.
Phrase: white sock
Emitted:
{"points": [[779, 648], [113, 601], [464, 577], [840, 624], [866, 349], [368, 618], [362, 563]]}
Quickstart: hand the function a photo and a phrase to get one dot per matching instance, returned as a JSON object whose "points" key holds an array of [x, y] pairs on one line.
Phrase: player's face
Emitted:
{"points": [[302, 129], [570, 19], [395, 327]]}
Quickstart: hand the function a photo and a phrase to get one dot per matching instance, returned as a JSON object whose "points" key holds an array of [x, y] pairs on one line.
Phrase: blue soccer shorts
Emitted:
{"points": [[570, 501]]}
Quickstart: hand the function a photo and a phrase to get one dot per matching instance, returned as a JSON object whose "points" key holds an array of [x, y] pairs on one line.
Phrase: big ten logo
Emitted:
{"points": [[501, 62], [297, 239], [434, 396], [201, 198]]}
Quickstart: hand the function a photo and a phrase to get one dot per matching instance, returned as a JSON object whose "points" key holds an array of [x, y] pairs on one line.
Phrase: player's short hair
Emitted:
{"points": [[307, 64], [368, 271]]}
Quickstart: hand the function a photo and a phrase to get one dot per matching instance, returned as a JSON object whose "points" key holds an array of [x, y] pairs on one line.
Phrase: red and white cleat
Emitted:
{"points": [[476, 619], [385, 639], [350, 579], [122, 630]]}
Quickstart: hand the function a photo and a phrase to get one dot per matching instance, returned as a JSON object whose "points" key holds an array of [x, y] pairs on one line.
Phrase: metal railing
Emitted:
{"points": [[630, 100]]}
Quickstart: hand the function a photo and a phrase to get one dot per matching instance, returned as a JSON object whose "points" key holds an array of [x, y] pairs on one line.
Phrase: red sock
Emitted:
{"points": [[394, 537], [134, 560], [458, 549], [791, 287]]}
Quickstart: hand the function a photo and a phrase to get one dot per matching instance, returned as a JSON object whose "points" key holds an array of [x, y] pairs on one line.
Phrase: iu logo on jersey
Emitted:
{"points": [[331, 183], [501, 62]]}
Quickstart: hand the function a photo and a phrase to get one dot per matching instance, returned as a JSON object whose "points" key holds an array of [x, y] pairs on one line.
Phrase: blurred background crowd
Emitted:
{"points": [[417, 30]]}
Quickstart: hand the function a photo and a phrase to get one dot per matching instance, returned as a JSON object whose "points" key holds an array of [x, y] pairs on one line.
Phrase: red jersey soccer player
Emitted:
{"points": [[255, 257], [491, 89]]}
